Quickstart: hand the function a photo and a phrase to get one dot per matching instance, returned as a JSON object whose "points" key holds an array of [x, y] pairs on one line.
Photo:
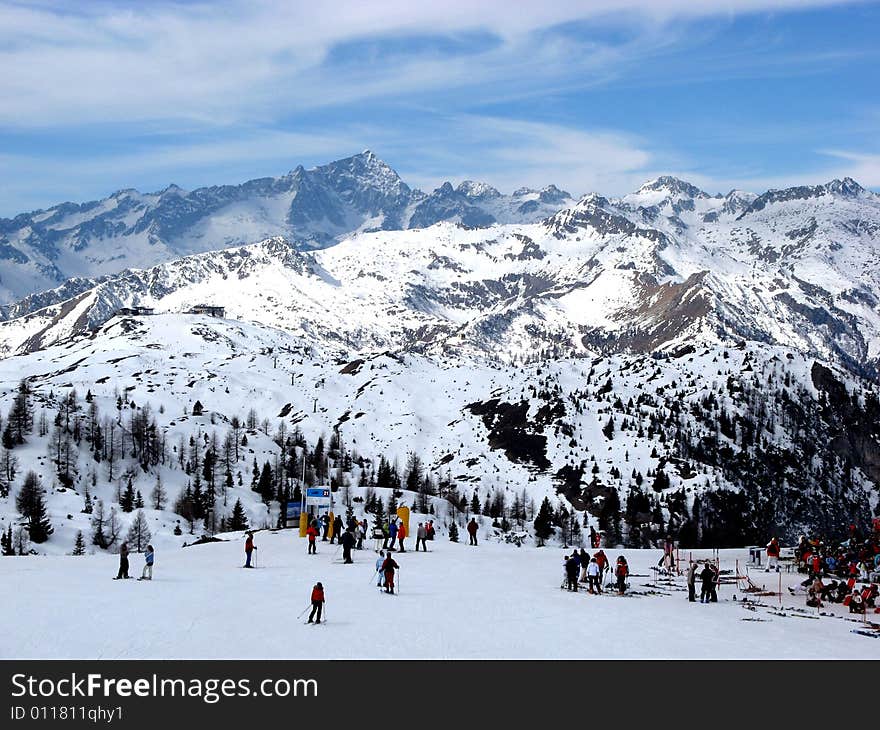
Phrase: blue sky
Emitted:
{"points": [[599, 95]]}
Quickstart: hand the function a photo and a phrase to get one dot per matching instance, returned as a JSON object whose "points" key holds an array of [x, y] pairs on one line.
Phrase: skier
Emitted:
{"points": [[692, 581], [707, 576], [576, 557], [472, 531], [584, 557], [379, 538], [594, 576], [148, 564], [571, 572], [421, 536], [667, 562], [388, 567], [317, 602], [401, 535], [123, 562], [430, 530], [325, 526], [602, 560], [360, 531], [249, 547], [772, 555], [312, 534], [392, 533], [380, 561], [337, 529], [347, 542], [621, 571]]}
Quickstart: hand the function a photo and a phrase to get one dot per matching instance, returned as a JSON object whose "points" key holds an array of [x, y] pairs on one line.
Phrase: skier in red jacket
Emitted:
{"points": [[312, 534], [317, 602], [388, 568], [772, 555], [249, 548]]}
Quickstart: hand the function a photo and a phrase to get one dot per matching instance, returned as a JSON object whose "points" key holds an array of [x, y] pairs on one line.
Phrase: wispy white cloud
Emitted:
{"points": [[239, 61], [204, 93], [513, 153]]}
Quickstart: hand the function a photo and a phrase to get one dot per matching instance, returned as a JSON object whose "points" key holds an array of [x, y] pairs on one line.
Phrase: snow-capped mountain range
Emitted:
{"points": [[315, 208], [647, 272], [730, 342]]}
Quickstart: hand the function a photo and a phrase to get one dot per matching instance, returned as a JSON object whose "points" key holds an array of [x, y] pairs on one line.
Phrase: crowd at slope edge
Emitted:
{"points": [[845, 572]]}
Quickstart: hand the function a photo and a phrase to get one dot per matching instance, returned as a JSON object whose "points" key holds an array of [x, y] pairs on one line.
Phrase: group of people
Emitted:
{"points": [[393, 534], [844, 565], [708, 575], [149, 558], [385, 567], [357, 528], [581, 567]]}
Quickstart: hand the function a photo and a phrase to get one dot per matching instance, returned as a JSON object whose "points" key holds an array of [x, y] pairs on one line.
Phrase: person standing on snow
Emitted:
{"points": [[772, 555], [123, 562], [312, 534], [571, 572], [249, 548], [584, 558], [389, 565], [421, 536], [347, 542], [317, 602], [148, 564], [325, 526], [472, 530], [594, 576], [602, 560], [692, 581], [707, 576], [380, 562], [392, 533], [401, 535], [337, 529], [622, 572]]}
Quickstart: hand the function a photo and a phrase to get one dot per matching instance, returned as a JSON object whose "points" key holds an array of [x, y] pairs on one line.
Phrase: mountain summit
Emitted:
{"points": [[315, 208]]}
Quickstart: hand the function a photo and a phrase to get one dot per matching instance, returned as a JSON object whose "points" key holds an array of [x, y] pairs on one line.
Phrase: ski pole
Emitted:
{"points": [[303, 611]]}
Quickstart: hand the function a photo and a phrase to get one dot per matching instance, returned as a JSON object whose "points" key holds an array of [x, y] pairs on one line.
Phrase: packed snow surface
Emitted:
{"points": [[455, 601]]}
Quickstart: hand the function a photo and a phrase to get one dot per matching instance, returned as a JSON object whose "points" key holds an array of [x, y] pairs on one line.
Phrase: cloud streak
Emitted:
{"points": [[236, 61]]}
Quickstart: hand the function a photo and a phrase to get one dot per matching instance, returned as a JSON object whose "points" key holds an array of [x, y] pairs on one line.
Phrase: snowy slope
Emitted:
{"points": [[485, 428], [455, 602]]}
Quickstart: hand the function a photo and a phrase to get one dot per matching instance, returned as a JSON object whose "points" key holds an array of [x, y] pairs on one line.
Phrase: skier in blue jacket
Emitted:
{"points": [[149, 556], [379, 562], [392, 531]]}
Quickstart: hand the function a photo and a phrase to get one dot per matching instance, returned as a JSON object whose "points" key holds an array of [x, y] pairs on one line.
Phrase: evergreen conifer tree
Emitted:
{"points": [[79, 545], [30, 504]]}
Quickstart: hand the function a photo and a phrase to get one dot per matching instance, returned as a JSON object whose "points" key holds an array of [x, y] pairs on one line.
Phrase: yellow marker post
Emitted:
{"points": [[303, 524], [403, 513], [330, 519]]}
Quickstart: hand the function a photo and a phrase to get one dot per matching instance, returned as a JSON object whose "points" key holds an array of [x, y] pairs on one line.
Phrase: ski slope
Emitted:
{"points": [[456, 601]]}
